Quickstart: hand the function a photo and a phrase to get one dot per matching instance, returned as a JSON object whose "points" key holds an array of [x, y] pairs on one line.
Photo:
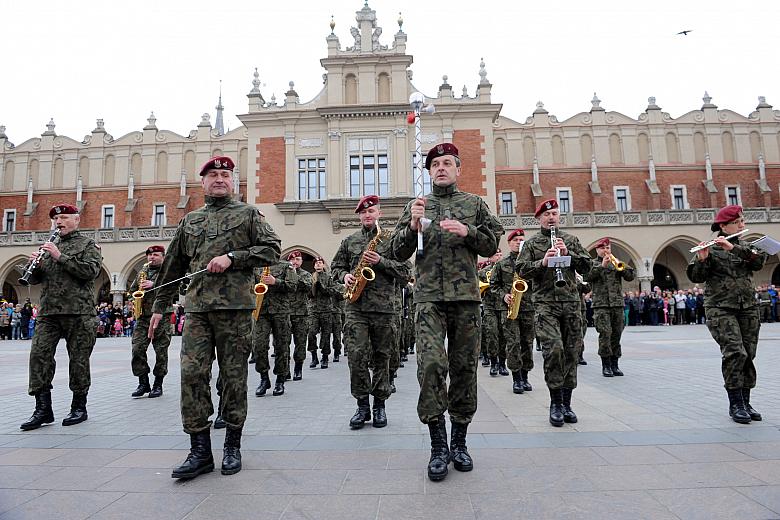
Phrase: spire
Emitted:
{"points": [[219, 124]]}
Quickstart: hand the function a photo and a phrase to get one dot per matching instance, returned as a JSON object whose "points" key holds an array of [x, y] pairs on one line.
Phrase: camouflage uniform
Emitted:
{"points": [[162, 336], [482, 274], [299, 313], [407, 319], [337, 316], [583, 288], [493, 324], [731, 308], [557, 309], [519, 332], [447, 297], [369, 321], [765, 302], [395, 357], [219, 305], [320, 313], [274, 318], [607, 284], [67, 311]]}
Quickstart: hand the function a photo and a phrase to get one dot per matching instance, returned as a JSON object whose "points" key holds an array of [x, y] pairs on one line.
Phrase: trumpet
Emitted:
{"points": [[28, 269], [712, 242], [260, 289], [617, 263], [519, 287], [484, 286]]}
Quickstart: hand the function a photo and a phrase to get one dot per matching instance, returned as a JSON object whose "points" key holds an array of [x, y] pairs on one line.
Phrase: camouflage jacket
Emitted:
{"points": [[221, 226], [489, 299], [299, 296], [277, 298], [607, 284], [501, 284], [763, 298], [529, 267], [151, 273], [337, 296], [68, 284], [320, 295], [447, 270], [378, 293], [728, 276]]}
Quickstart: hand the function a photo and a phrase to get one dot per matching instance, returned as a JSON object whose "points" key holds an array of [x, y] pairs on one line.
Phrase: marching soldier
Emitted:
{"points": [[299, 312], [162, 336], [726, 268], [320, 313], [460, 229], [583, 288], [494, 318], [337, 317], [483, 269], [607, 281], [229, 239], [557, 308], [407, 318], [67, 276], [369, 327]]}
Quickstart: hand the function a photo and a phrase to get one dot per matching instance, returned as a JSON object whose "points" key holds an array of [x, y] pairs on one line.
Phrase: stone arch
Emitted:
{"points": [[161, 171], [8, 180], [383, 88], [243, 163], [699, 147], [501, 152], [558, 154], [622, 250], [130, 270], [109, 170], [529, 150], [84, 170], [350, 89], [189, 165], [755, 145], [59, 173], [728, 147], [615, 149], [586, 148], [775, 278], [643, 145], [671, 258], [672, 148], [135, 167]]}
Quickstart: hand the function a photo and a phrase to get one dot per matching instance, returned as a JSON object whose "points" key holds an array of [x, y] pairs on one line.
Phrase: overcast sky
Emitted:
{"points": [[79, 61]]}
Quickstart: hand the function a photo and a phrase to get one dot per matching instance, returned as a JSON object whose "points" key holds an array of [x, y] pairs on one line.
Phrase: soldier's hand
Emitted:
{"points": [[605, 261], [153, 324], [147, 284], [52, 249], [549, 254], [454, 226], [33, 256], [702, 254], [349, 279], [418, 212], [561, 245], [372, 257], [725, 244], [508, 299], [268, 279], [219, 264]]}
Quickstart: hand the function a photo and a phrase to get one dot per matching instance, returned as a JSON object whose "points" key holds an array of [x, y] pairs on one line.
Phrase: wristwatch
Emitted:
{"points": [[232, 257]]}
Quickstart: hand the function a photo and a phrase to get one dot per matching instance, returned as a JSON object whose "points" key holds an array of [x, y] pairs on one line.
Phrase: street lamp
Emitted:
{"points": [[417, 102]]}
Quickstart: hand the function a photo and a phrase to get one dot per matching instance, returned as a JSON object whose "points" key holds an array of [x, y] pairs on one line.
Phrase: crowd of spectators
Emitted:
{"points": [[17, 321]]}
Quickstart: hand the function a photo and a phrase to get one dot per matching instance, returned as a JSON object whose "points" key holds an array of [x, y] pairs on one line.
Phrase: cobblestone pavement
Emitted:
{"points": [[657, 443]]}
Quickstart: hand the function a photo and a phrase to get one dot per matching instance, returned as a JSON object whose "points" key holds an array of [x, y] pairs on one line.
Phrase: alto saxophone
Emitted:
{"points": [[260, 289], [519, 287], [138, 296], [362, 272]]}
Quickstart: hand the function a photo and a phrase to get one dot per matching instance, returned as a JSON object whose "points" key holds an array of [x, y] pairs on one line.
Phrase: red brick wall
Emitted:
{"points": [[271, 164], [470, 145]]}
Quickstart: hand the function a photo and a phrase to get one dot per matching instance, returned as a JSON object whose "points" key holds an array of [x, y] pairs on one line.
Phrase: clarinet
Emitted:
{"points": [[28, 269], [560, 281]]}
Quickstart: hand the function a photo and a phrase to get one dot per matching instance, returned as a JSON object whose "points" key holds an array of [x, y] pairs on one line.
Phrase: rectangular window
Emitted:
{"points": [[426, 176], [108, 217], [564, 200], [507, 203], [158, 217], [312, 179], [732, 195], [9, 220], [622, 199], [369, 171], [679, 197]]}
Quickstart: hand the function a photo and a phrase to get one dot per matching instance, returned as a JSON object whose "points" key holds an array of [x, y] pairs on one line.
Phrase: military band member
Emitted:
{"points": [[369, 327], [557, 309], [607, 282], [320, 313], [229, 239], [493, 320], [726, 268], [584, 290], [483, 272], [446, 294], [67, 276], [407, 318], [144, 281], [337, 318], [299, 312]]}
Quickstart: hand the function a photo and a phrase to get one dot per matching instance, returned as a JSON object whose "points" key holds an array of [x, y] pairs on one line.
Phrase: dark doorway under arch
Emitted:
{"points": [[9, 293], [664, 278]]}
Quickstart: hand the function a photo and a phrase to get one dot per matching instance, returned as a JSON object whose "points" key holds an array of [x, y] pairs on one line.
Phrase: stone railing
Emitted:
{"points": [[136, 234]]}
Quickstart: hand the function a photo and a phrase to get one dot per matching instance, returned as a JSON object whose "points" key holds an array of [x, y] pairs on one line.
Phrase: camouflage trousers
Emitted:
{"points": [[559, 330], [337, 327], [407, 335], [520, 345], [736, 331], [493, 321], [609, 323], [226, 335], [320, 323], [160, 343], [460, 324], [299, 325], [79, 333], [368, 336], [279, 326], [395, 356]]}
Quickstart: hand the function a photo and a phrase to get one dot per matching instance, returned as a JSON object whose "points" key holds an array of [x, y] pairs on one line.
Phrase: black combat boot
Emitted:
{"points": [[517, 383], [392, 383], [568, 414], [502, 367], [199, 460], [615, 368], [78, 410], [297, 371], [606, 367], [581, 361], [362, 414], [279, 386], [404, 357], [485, 360], [231, 454], [143, 386], [440, 452], [526, 385], [157, 387], [461, 459], [314, 360], [265, 384], [380, 417], [737, 409], [494, 366], [324, 363], [43, 414], [754, 415], [556, 407], [219, 422], [335, 357]]}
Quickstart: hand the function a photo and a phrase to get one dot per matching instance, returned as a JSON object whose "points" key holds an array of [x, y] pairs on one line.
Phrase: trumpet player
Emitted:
{"points": [[606, 278], [299, 312], [144, 281], [494, 340], [726, 268], [67, 272], [320, 306], [556, 306]]}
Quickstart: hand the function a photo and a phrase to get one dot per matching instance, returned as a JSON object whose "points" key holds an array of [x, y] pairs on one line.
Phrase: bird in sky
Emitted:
{"points": [[685, 32]]}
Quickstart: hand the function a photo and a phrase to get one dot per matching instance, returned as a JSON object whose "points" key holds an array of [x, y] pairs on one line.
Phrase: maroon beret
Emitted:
{"points": [[603, 242], [319, 259], [367, 202], [155, 249], [546, 206], [219, 162], [438, 151], [63, 209], [294, 254], [726, 215], [514, 233]]}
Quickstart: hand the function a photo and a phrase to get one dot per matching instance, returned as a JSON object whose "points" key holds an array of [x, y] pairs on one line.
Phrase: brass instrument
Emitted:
{"points": [[362, 272], [27, 270], [260, 289], [712, 242], [519, 287], [484, 286], [620, 266], [560, 281], [138, 296]]}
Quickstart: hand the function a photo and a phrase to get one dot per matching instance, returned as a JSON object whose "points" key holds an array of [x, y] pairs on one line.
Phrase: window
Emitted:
{"points": [[679, 197], [108, 216], [368, 168], [426, 176], [622, 198], [564, 200], [158, 217], [311, 179], [507, 203], [9, 220], [732, 195]]}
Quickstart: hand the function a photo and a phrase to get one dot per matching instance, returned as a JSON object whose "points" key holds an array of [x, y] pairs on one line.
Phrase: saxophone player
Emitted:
{"points": [[145, 280], [369, 327]]}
